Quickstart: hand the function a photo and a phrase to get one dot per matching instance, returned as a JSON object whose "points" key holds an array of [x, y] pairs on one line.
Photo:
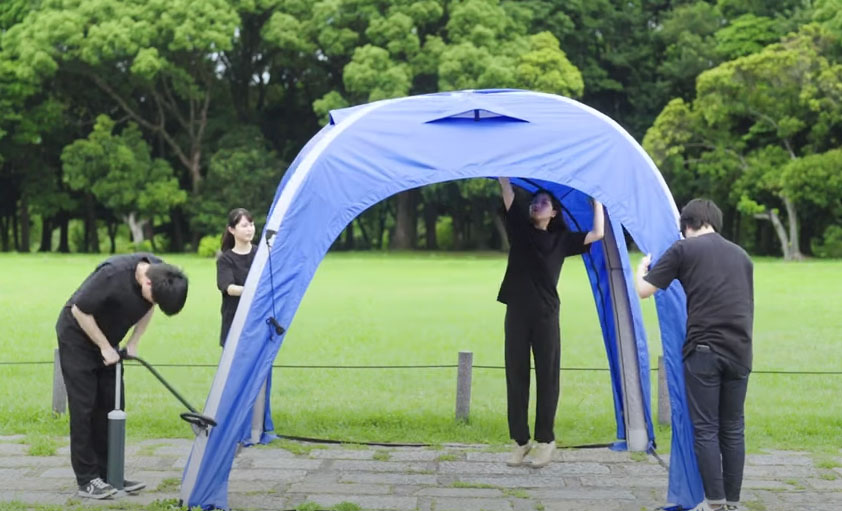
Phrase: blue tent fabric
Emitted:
{"points": [[370, 152]]}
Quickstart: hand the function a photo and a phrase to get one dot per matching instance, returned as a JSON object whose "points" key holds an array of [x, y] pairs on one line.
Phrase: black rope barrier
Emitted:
{"points": [[430, 366]]}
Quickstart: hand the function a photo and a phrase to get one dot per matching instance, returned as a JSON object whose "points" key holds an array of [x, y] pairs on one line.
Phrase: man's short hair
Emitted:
{"points": [[700, 212], [169, 287]]}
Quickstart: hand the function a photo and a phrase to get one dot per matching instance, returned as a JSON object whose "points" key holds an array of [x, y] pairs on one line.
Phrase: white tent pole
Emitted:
{"points": [[637, 438]]}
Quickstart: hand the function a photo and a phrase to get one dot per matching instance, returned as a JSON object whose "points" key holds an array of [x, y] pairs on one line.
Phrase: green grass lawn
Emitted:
{"points": [[413, 309]]}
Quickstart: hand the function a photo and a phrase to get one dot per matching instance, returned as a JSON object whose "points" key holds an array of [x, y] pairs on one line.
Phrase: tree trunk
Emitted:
{"points": [[478, 233], [177, 220], [4, 233], [195, 170], [135, 227], [406, 221], [24, 225], [773, 217], [381, 225], [149, 233], [366, 238], [63, 244], [349, 237], [46, 235], [500, 225], [459, 221], [91, 234], [431, 216], [15, 233], [792, 217], [111, 227]]}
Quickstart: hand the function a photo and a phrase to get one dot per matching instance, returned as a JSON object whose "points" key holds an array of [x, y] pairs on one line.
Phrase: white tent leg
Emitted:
{"points": [[257, 416], [637, 438]]}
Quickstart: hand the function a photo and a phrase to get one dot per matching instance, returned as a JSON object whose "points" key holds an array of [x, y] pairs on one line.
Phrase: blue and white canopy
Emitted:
{"points": [[370, 152]]}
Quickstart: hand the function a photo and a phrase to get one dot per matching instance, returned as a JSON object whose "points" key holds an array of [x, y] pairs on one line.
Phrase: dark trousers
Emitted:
{"points": [[716, 393], [90, 396], [539, 333]]}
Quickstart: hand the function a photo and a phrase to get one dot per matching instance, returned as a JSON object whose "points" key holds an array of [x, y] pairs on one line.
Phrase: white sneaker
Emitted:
{"points": [[518, 453], [706, 506], [542, 455]]}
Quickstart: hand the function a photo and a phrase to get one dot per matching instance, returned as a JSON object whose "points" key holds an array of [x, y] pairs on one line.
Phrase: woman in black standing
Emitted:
{"points": [[233, 263], [539, 242], [232, 268]]}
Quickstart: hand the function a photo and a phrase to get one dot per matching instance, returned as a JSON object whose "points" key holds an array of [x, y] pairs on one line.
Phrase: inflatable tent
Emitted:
{"points": [[370, 152]]}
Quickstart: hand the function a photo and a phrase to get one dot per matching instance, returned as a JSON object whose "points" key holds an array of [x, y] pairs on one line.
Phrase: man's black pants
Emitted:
{"points": [[90, 396], [716, 392], [529, 330]]}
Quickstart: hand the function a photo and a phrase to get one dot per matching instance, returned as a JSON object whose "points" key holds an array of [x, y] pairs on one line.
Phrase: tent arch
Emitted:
{"points": [[370, 152]]}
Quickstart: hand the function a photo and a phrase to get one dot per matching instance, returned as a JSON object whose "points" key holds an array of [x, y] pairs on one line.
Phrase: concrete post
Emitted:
{"points": [[463, 385], [59, 390]]}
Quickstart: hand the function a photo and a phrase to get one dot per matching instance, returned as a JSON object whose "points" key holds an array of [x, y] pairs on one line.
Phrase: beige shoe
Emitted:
{"points": [[518, 453], [542, 455]]}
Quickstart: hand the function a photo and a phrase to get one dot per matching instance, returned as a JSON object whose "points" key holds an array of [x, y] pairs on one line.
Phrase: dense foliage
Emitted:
{"points": [[140, 123]]}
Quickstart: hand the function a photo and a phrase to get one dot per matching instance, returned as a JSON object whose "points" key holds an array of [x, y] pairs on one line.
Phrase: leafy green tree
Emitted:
{"points": [[748, 34], [243, 172], [156, 60], [751, 127], [118, 171], [366, 50]]}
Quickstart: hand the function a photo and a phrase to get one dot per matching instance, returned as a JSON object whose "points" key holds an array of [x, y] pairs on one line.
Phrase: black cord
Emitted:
{"points": [[440, 366], [661, 462], [272, 320], [405, 444]]}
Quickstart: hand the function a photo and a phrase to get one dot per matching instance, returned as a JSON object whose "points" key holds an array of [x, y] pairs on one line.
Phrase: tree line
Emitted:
{"points": [[140, 123]]}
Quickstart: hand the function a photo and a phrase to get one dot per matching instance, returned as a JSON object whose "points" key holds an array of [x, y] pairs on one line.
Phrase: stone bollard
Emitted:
{"points": [[463, 385], [663, 394], [59, 390]]}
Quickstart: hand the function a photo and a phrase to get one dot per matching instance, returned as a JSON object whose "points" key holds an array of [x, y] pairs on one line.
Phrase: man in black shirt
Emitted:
{"points": [[717, 277], [539, 242], [120, 293]]}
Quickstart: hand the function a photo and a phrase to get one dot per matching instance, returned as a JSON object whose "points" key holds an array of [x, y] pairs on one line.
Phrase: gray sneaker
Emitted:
{"points": [[132, 486], [96, 489]]}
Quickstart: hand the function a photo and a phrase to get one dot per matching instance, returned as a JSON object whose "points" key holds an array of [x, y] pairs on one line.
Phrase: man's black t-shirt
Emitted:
{"points": [[535, 260], [112, 295], [231, 268], [717, 277]]}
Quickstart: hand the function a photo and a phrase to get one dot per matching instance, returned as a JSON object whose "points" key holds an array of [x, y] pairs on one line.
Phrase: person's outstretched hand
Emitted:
{"points": [[645, 263], [110, 355]]}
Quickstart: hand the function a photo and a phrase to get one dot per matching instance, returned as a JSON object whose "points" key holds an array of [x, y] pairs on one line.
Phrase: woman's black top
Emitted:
{"points": [[231, 268]]}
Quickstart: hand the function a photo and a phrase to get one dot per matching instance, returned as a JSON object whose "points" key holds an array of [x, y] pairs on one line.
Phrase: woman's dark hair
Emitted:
{"points": [[234, 217], [557, 222], [698, 213], [169, 287]]}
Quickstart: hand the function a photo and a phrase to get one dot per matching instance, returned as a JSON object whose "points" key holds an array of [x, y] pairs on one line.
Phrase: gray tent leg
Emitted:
{"points": [[637, 437], [258, 413]]}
